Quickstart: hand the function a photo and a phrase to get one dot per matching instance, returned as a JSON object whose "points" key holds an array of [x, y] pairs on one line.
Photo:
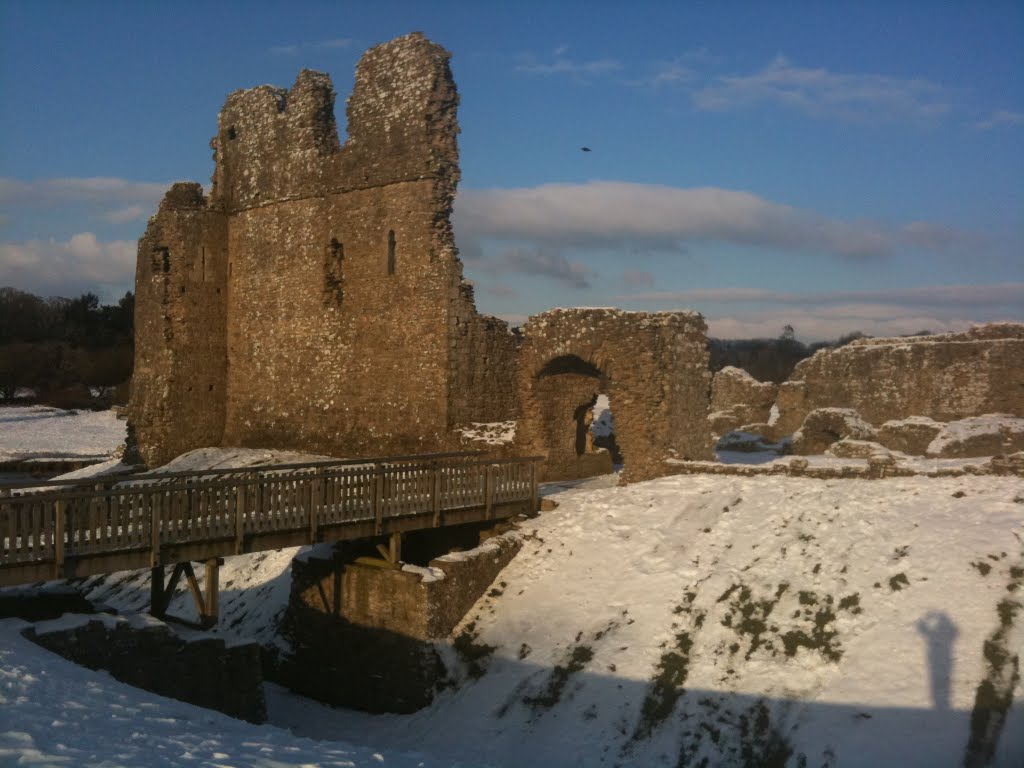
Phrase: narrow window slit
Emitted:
{"points": [[391, 251]]}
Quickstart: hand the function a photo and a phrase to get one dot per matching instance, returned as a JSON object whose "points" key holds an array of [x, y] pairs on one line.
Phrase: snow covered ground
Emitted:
{"points": [[763, 620], [38, 430], [55, 713]]}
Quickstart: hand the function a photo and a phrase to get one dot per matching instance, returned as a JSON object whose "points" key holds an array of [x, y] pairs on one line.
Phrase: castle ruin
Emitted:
{"points": [[315, 300]]}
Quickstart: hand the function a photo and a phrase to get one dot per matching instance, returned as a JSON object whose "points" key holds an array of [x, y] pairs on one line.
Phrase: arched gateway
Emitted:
{"points": [[653, 366]]}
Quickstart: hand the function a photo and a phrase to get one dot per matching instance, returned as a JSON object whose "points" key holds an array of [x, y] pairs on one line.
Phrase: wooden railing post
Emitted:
{"points": [[488, 491], [534, 506], [211, 603], [378, 499], [58, 539], [315, 498], [155, 502], [257, 505], [435, 495], [240, 500]]}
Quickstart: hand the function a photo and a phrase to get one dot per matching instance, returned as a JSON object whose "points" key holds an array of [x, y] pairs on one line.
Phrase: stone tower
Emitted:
{"points": [[315, 301]]}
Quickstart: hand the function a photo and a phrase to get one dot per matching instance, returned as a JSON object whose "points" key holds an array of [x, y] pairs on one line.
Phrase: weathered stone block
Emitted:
{"points": [[911, 435], [825, 426], [791, 405], [850, 448], [987, 435], [735, 391]]}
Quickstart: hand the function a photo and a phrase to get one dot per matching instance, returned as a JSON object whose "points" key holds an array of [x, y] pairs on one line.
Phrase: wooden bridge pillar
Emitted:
{"points": [[207, 606]]}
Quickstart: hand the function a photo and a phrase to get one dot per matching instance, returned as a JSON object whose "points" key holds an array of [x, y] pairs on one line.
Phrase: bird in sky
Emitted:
{"points": [[585, 149]]}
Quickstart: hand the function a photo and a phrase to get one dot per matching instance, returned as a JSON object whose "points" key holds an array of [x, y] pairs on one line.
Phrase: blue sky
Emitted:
{"points": [[836, 166]]}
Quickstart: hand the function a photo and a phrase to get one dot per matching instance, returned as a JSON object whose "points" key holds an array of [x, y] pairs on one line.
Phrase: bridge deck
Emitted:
{"points": [[151, 520]]}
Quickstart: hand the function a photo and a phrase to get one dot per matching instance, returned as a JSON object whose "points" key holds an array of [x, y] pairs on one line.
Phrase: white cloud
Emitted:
{"points": [[562, 65], [821, 93], [95, 190], [672, 73], [830, 314], [536, 261], [319, 45], [612, 214], [122, 215], [1001, 117], [51, 267]]}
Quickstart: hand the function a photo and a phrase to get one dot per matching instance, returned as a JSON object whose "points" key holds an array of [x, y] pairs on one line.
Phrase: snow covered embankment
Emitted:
{"points": [[745, 621]]}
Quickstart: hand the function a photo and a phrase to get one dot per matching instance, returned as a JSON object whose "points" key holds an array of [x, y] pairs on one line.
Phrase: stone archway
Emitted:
{"points": [[653, 367], [561, 399]]}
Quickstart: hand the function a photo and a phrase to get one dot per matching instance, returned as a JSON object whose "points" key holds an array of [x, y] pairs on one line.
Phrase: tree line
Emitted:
{"points": [[73, 353]]}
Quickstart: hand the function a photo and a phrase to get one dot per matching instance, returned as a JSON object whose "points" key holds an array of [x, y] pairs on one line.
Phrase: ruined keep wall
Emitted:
{"points": [[338, 326], [327, 350], [946, 377], [653, 366], [180, 375], [483, 359]]}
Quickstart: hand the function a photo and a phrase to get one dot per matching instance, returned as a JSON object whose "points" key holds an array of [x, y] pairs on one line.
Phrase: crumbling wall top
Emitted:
{"points": [[574, 315], [184, 194], [402, 115], [274, 144], [983, 332]]}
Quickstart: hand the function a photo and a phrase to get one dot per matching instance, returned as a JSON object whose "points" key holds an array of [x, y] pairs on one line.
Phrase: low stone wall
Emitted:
{"points": [[424, 603], [874, 468], [39, 604], [737, 398], [362, 635], [946, 377], [144, 652]]}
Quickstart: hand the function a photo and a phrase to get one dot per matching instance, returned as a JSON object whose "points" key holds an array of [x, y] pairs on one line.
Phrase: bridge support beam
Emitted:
{"points": [[393, 552], [207, 605]]}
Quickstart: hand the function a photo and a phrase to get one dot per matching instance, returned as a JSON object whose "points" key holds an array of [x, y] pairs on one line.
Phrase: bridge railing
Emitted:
{"points": [[149, 512]]}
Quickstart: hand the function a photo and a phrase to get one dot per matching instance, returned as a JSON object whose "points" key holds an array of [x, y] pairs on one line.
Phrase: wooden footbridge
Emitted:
{"points": [[63, 529]]}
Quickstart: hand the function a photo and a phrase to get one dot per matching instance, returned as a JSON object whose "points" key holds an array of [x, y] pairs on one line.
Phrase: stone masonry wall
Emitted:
{"points": [[653, 367], [180, 376], [362, 635], [357, 364], [338, 335], [330, 328], [147, 654], [403, 602], [737, 398], [945, 377], [483, 359]]}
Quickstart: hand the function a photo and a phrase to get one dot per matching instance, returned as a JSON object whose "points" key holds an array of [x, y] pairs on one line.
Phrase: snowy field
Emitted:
{"points": [[695, 620], [41, 431]]}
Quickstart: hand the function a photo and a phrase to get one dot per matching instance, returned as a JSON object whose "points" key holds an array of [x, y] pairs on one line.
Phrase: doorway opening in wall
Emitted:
{"points": [[567, 392], [602, 429]]}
